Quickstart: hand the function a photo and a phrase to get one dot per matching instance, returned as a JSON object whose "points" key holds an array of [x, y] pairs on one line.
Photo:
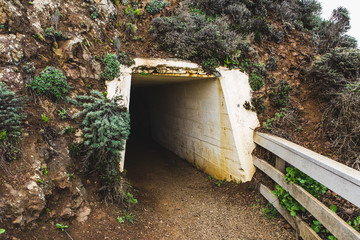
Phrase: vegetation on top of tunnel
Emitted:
{"points": [[106, 127], [228, 33]]}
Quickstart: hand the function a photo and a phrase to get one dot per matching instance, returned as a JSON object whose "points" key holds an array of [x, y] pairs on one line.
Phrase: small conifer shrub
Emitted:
{"points": [[50, 82], [10, 123], [156, 6], [106, 127], [112, 67]]}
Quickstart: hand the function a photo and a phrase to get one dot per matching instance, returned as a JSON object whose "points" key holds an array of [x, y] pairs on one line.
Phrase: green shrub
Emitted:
{"points": [[11, 116], [295, 176], [132, 12], [256, 81], [191, 36], [124, 59], [106, 127], [50, 82], [279, 96], [112, 67], [156, 6], [331, 33], [334, 70], [51, 33]]}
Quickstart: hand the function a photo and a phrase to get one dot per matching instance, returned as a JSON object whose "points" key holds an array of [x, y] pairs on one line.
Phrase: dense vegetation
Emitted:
{"points": [[11, 116], [106, 127]]}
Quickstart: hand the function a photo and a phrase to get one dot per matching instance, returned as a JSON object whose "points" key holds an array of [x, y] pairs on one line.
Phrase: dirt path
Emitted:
{"points": [[176, 201], [180, 202]]}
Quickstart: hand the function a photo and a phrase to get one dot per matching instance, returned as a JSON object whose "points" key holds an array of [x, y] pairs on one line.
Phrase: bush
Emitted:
{"points": [[256, 81], [11, 115], [156, 6], [331, 33], [112, 67], [342, 124], [279, 97], [190, 35], [51, 33], [106, 127], [50, 82], [125, 59], [334, 70]]}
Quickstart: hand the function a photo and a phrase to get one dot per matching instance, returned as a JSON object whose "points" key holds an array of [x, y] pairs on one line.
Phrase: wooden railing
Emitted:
{"points": [[335, 176]]}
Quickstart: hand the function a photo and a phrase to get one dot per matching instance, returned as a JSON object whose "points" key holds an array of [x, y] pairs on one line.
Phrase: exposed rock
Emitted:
{"points": [[10, 48], [11, 76], [24, 205], [83, 214]]}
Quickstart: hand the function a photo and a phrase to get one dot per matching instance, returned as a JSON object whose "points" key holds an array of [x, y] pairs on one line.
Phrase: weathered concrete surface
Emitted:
{"points": [[203, 121]]}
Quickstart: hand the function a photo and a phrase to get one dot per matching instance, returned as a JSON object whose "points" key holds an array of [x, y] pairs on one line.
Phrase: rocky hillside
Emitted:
{"points": [[299, 66]]}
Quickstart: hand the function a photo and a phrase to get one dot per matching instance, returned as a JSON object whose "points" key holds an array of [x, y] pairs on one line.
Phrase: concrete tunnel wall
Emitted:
{"points": [[202, 121]]}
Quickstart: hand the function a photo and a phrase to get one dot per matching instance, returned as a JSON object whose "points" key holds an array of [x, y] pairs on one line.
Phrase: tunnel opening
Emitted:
{"points": [[196, 116]]}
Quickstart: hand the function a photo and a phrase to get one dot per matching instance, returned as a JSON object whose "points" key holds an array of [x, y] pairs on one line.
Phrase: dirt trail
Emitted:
{"points": [[176, 201], [180, 202]]}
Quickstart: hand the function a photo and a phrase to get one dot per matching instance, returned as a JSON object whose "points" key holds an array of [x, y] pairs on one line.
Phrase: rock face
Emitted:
{"points": [[30, 193], [26, 204]]}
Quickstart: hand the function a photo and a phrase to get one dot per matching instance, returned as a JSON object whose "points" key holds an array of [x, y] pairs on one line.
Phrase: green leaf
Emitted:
{"points": [[2, 230], [334, 208]]}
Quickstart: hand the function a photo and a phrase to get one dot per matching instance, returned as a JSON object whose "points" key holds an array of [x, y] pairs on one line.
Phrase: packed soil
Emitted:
{"points": [[175, 201]]}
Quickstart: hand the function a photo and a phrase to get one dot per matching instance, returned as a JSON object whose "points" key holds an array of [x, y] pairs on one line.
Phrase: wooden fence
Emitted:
{"points": [[335, 176]]}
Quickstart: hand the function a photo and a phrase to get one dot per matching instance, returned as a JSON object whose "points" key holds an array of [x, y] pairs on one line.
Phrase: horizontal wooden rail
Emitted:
{"points": [[341, 179], [338, 227], [299, 225]]}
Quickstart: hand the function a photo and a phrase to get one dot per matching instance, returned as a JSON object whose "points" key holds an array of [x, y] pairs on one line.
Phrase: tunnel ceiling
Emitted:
{"points": [[141, 80]]}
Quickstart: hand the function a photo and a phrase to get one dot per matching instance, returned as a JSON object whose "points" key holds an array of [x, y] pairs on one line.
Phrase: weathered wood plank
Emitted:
{"points": [[338, 227], [341, 179], [280, 165], [306, 232]]}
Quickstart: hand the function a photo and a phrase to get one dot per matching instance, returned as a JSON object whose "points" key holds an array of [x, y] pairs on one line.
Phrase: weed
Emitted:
{"points": [[210, 177], [287, 201], [130, 198], [51, 33], [44, 170], [62, 113], [124, 59], [51, 82], [2, 231], [66, 130], [120, 219], [61, 226], [355, 223], [45, 118], [130, 217], [130, 28], [218, 183], [29, 68], [94, 12], [156, 6], [256, 81], [112, 67], [132, 12], [40, 180], [270, 211], [279, 96]]}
